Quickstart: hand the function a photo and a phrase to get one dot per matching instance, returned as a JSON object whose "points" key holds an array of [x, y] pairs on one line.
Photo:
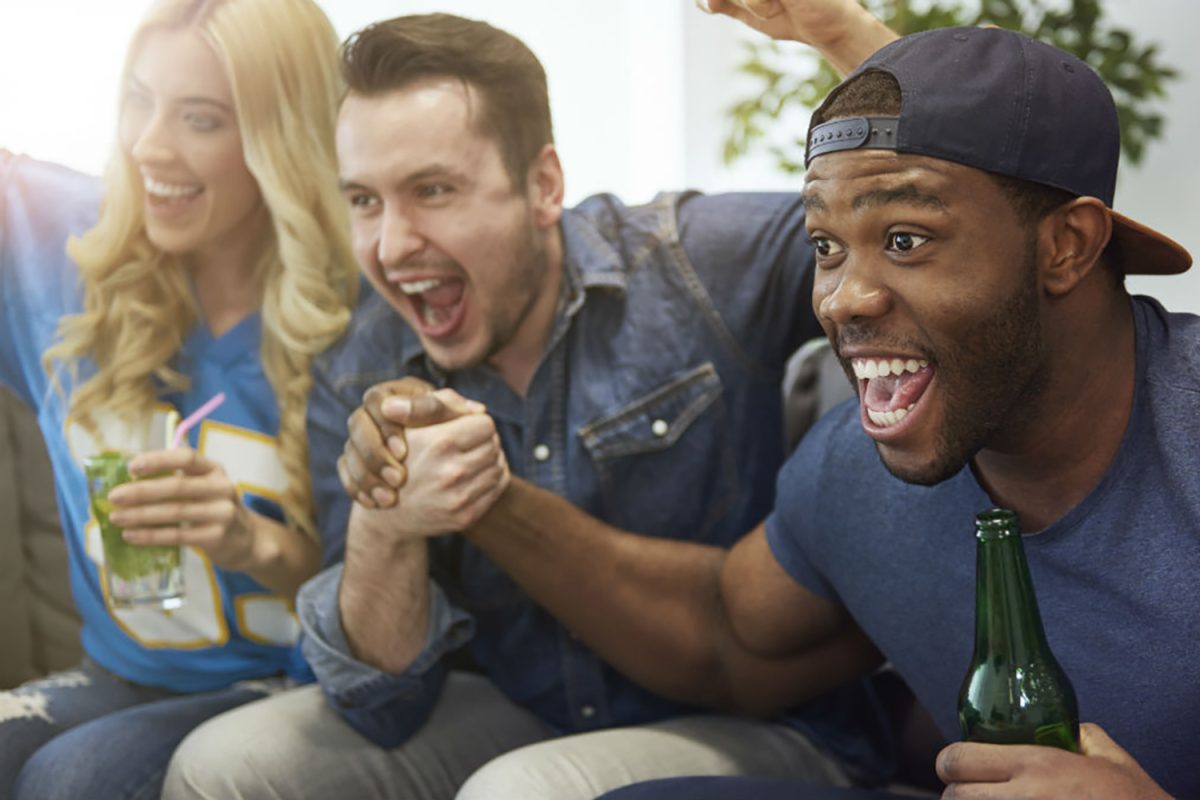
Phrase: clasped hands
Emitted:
{"points": [[420, 462]]}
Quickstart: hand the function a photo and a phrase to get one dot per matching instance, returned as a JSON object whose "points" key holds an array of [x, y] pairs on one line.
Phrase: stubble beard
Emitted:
{"points": [[507, 316], [991, 381]]}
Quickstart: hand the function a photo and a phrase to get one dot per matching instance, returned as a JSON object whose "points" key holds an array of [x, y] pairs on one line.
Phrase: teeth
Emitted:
{"points": [[169, 190], [433, 316], [416, 287], [867, 368], [886, 419]]}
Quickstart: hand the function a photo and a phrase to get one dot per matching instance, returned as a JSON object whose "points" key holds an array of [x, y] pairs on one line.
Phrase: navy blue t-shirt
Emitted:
{"points": [[1117, 577]]}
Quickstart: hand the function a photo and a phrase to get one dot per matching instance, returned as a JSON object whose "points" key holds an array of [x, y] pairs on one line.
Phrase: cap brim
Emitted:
{"points": [[1147, 252]]}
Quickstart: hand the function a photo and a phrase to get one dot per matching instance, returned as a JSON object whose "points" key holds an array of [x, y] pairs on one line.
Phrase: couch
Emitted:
{"points": [[39, 628]]}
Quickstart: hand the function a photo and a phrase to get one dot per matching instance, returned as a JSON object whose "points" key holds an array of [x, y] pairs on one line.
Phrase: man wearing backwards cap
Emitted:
{"points": [[970, 275]]}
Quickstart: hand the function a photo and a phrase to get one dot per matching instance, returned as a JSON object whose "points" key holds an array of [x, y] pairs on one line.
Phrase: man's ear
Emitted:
{"points": [[544, 186], [1071, 239]]}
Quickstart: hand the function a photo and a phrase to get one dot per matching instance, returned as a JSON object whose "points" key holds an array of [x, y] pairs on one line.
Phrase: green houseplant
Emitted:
{"points": [[792, 78]]}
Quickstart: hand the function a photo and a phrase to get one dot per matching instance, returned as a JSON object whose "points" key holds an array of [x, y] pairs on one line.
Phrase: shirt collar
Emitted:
{"points": [[242, 340], [590, 259]]}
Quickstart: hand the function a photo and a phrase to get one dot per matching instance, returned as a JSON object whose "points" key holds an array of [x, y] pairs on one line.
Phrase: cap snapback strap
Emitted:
{"points": [[851, 133]]}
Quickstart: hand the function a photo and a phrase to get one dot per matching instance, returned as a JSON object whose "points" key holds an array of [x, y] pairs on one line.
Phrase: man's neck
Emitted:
{"points": [[1068, 445], [518, 360]]}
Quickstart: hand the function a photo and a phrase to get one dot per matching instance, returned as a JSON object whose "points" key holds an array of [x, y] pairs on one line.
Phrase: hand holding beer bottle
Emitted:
{"points": [[1017, 708]]}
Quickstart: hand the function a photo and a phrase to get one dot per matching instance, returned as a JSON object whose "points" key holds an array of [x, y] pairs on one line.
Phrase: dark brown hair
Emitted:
{"points": [[509, 79]]}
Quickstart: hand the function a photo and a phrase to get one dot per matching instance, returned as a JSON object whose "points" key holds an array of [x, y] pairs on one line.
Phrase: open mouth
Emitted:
{"points": [[890, 391], [439, 304], [170, 198]]}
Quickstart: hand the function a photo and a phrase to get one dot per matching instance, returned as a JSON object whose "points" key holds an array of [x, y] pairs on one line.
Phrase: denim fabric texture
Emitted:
{"points": [[656, 407], [88, 733]]}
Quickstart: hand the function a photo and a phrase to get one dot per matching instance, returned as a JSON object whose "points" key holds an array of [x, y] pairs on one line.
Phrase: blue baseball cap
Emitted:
{"points": [[1000, 101]]}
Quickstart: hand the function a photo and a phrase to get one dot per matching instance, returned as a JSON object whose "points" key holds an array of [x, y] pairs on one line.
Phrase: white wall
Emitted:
{"points": [[607, 65], [639, 90], [1164, 190]]}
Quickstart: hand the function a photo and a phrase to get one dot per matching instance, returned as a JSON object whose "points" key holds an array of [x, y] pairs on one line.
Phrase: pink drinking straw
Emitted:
{"points": [[191, 419]]}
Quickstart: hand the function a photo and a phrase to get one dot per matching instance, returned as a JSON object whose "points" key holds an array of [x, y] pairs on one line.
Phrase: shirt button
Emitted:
{"points": [[541, 452], [659, 427], [587, 712]]}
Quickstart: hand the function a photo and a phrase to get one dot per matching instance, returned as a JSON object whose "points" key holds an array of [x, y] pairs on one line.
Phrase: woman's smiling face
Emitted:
{"points": [[179, 127]]}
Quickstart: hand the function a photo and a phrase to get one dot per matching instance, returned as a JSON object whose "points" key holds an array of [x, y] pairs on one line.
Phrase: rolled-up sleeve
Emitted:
{"points": [[385, 707]]}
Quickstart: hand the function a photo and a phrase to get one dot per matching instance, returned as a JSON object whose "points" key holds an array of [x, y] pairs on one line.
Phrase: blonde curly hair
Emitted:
{"points": [[281, 60]]}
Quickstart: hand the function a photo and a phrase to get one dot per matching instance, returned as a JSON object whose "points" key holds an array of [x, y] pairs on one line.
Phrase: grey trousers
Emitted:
{"points": [[476, 745]]}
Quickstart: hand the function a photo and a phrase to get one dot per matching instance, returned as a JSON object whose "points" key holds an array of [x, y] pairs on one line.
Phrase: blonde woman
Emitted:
{"points": [[216, 260]]}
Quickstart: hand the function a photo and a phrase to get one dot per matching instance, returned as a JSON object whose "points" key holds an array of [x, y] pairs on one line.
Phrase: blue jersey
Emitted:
{"points": [[230, 627]]}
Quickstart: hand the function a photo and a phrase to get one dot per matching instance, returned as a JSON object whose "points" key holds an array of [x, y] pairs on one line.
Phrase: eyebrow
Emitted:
{"points": [[812, 202], [189, 100], [908, 194]]}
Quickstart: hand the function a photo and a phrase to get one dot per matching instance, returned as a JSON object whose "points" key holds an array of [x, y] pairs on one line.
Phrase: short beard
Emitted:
{"points": [[530, 280], [994, 379]]}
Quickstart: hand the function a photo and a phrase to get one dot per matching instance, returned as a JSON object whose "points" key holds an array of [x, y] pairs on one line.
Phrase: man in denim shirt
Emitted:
{"points": [[630, 360]]}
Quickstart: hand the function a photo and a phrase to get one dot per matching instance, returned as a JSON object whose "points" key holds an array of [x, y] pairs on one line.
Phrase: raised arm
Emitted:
{"points": [[842, 30]]}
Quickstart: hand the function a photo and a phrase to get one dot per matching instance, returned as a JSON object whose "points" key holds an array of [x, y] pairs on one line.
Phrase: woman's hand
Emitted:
{"points": [[181, 498]]}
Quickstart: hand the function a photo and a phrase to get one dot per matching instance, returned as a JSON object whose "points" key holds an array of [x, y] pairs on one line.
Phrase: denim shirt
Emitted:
{"points": [[656, 408]]}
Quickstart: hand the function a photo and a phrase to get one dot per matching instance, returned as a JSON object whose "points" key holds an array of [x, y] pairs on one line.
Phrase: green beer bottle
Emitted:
{"points": [[1014, 692]]}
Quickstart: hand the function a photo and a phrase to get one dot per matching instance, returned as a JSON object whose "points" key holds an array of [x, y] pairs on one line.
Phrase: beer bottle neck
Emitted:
{"points": [[1007, 622]]}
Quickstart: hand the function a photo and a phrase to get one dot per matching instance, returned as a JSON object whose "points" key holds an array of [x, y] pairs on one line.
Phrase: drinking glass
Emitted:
{"points": [[136, 576]]}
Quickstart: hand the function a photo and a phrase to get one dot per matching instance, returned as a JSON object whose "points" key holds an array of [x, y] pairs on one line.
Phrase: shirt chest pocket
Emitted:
{"points": [[663, 461]]}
